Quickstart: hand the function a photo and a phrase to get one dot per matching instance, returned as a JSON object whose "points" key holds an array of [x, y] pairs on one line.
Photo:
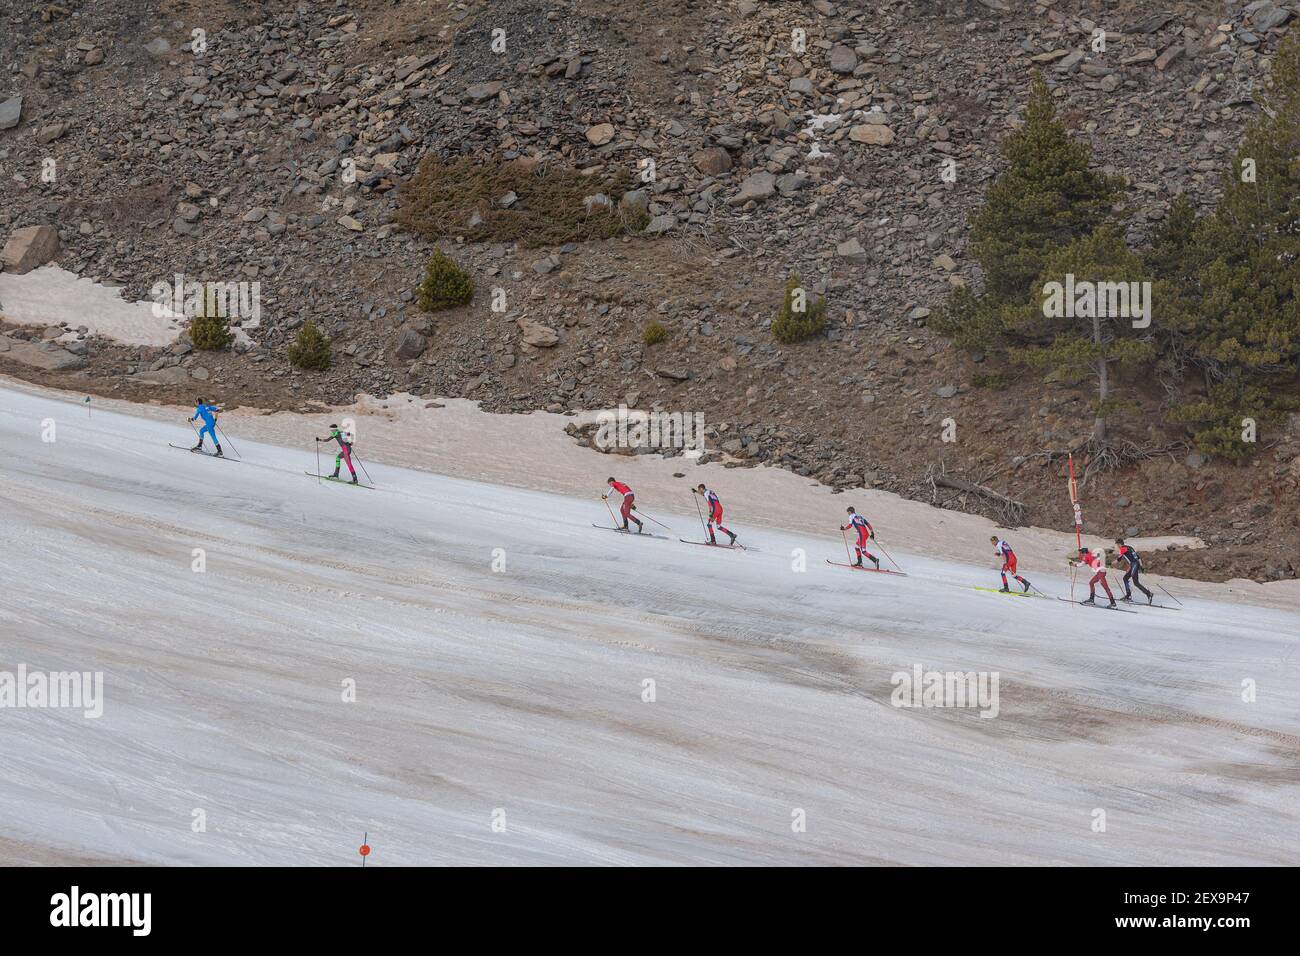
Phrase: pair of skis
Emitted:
{"points": [[714, 544], [1009, 593], [203, 452], [858, 567], [339, 481]]}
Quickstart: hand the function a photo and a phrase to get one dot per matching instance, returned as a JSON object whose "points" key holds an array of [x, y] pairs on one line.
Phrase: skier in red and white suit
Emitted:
{"points": [[1003, 550], [715, 513], [628, 502], [1097, 561], [865, 532]]}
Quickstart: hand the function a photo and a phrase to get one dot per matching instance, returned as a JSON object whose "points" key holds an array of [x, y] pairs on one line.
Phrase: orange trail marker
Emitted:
{"points": [[365, 849]]}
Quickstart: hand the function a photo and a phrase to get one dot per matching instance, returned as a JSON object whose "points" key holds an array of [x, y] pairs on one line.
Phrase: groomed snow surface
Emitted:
{"points": [[516, 695]]}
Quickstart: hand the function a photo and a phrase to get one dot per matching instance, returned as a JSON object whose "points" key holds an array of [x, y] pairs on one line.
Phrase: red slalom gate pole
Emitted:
{"points": [[1078, 522]]}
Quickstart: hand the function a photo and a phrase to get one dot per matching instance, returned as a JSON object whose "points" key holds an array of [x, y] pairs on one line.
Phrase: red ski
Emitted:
{"points": [[854, 567], [711, 544]]}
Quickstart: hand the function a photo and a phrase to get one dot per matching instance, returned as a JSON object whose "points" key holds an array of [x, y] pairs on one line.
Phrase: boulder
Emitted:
{"points": [[535, 334], [634, 199], [11, 111], [411, 344], [843, 59], [661, 224], [757, 186], [483, 91], [713, 161], [600, 134], [174, 375], [46, 356], [28, 248], [872, 134]]}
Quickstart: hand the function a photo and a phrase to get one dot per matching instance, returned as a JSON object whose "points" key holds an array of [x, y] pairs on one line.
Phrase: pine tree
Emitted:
{"points": [[798, 318], [1234, 281], [445, 284], [1046, 198], [1092, 294], [209, 331], [310, 348]]}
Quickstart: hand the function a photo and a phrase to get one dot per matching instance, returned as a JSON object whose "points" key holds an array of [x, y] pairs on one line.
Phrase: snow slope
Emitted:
{"points": [[519, 691]]}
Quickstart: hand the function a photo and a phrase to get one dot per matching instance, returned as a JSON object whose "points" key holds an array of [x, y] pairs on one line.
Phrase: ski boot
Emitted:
{"points": [[198, 447], [1127, 597], [858, 563], [220, 453], [1004, 589], [877, 561], [1092, 599], [354, 480], [1027, 586], [733, 538]]}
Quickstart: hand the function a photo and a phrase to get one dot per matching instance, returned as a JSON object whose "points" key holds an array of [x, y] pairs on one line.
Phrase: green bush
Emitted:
{"points": [[997, 381], [210, 333], [654, 334], [311, 348], [798, 318], [445, 284]]}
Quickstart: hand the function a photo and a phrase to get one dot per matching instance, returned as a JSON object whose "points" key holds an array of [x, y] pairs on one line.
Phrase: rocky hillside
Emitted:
{"points": [[846, 144]]}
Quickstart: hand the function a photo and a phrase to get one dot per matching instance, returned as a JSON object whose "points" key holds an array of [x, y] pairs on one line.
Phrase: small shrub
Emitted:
{"points": [[210, 333], [311, 348], [654, 334], [799, 318], [998, 381], [445, 284]]}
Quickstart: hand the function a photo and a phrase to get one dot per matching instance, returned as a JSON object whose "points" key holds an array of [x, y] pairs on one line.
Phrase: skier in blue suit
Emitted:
{"points": [[208, 414]]}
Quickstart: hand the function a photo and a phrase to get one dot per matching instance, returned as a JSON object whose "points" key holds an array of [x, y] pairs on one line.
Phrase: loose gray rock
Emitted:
{"points": [[11, 111], [411, 345], [757, 187]]}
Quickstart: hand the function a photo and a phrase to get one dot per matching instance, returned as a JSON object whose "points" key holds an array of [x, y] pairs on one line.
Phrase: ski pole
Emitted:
{"points": [[886, 553], [363, 468], [655, 520], [1162, 587], [232, 444], [609, 508], [699, 512], [318, 461], [845, 535]]}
